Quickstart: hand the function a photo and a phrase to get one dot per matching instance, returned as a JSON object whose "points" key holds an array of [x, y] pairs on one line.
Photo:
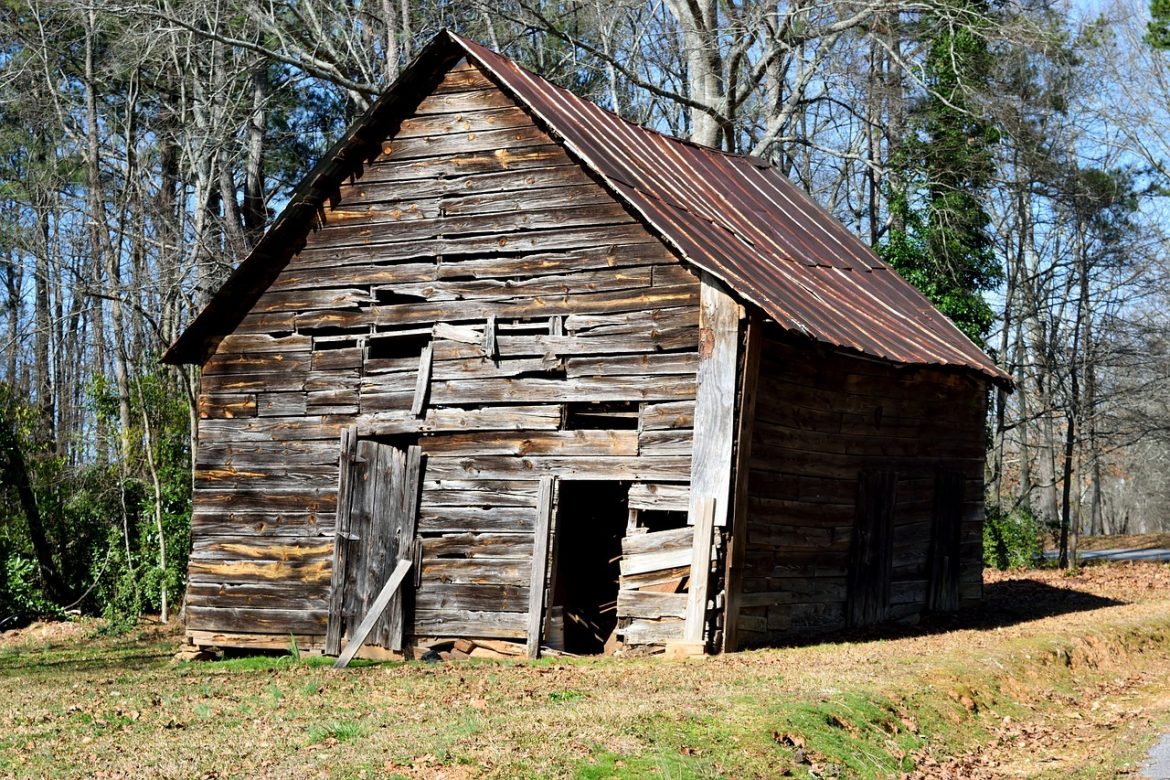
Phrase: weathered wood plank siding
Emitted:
{"points": [[822, 419], [474, 248]]}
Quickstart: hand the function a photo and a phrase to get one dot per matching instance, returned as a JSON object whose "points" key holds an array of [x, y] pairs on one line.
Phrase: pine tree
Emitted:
{"points": [[939, 236], [1158, 30]]}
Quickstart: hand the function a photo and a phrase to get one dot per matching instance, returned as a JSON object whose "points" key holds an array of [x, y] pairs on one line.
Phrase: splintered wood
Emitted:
{"points": [[475, 296]]}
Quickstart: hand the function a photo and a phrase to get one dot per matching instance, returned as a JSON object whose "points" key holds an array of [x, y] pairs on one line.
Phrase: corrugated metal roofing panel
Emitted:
{"points": [[745, 223]]}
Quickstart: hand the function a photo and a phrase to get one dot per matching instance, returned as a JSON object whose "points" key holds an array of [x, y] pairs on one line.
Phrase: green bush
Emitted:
{"points": [[99, 512], [21, 598], [1011, 540]]}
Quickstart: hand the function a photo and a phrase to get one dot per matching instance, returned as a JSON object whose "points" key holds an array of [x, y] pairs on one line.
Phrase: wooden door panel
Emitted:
{"points": [[871, 554], [377, 518]]}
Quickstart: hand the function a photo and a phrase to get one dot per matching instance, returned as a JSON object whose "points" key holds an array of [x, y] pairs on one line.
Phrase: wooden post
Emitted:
{"points": [[539, 565], [422, 384], [733, 579], [714, 401], [407, 525], [340, 544], [491, 349], [376, 609], [713, 442], [700, 571]]}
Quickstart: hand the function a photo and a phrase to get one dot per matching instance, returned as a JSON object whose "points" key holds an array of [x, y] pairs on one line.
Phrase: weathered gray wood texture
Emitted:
{"points": [[821, 420], [476, 242]]}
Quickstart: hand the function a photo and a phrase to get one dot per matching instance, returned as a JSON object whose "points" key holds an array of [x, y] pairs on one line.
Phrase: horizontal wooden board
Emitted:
{"points": [[241, 547], [434, 595], [278, 595], [668, 416], [251, 344], [641, 365], [257, 499], [592, 388], [226, 406], [652, 632], [679, 441], [582, 443], [312, 571], [666, 469], [476, 572], [242, 619], [640, 604], [462, 122], [471, 624], [425, 189], [642, 563], [670, 540], [227, 521], [665, 578], [521, 417], [450, 519], [665, 497], [478, 545], [322, 427], [553, 284], [518, 306]]}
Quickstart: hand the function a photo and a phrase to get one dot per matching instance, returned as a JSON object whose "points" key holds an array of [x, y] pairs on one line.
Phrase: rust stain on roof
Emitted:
{"points": [[741, 220]]}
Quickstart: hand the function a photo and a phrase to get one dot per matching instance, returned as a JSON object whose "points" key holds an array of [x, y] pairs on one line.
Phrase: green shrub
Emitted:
{"points": [[1011, 540], [20, 595]]}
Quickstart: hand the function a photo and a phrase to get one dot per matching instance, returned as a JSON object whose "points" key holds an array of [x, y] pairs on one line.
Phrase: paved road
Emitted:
{"points": [[1157, 766], [1157, 554]]}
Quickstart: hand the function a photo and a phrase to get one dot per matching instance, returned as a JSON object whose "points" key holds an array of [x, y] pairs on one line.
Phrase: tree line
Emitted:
{"points": [[1009, 158]]}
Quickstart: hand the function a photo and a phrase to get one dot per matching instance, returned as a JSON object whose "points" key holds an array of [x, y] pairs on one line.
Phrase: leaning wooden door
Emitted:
{"points": [[377, 510]]}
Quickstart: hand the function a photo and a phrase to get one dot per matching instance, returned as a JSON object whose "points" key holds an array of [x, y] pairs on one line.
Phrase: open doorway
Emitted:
{"points": [[591, 522]]}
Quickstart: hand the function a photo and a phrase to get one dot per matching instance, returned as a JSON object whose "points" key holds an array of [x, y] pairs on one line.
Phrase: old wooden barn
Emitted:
{"points": [[560, 379]]}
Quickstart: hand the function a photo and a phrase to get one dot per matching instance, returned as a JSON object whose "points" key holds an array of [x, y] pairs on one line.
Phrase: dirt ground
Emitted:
{"points": [[1053, 676], [1124, 542]]}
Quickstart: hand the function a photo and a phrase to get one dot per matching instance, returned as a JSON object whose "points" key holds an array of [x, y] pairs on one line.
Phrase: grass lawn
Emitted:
{"points": [[1054, 676]]}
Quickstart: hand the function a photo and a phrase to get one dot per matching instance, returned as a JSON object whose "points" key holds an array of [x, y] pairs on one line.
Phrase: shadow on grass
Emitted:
{"points": [[1004, 604], [86, 654]]}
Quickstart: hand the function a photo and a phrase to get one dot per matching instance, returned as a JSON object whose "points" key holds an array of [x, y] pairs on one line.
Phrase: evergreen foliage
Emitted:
{"points": [[1158, 30], [939, 238]]}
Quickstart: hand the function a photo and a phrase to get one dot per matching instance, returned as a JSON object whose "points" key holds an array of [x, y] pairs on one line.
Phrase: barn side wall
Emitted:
{"points": [[562, 341], [822, 419]]}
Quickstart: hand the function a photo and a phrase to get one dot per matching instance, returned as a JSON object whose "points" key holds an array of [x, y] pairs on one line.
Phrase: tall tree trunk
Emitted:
{"points": [[255, 209]]}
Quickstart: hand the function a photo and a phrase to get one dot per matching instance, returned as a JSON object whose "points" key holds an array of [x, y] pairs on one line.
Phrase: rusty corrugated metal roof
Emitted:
{"points": [[741, 220], [735, 217]]}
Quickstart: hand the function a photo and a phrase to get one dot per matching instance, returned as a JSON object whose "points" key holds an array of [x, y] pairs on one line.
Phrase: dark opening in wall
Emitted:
{"points": [[385, 296], [607, 416], [659, 520], [332, 330], [591, 522], [394, 346], [334, 343], [525, 325]]}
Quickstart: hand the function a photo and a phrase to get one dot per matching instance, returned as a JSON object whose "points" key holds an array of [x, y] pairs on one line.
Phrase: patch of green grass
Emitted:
{"points": [[565, 696], [340, 730], [610, 766], [858, 731]]}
